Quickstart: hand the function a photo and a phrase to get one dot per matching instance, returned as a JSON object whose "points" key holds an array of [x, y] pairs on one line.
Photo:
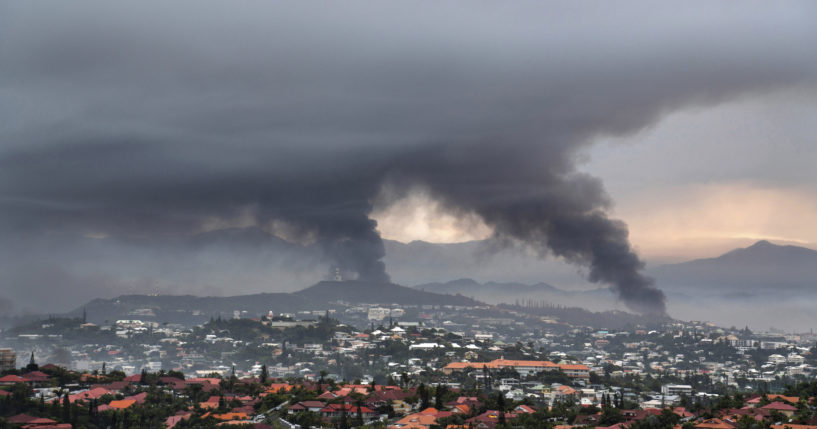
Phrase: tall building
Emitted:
{"points": [[8, 359]]}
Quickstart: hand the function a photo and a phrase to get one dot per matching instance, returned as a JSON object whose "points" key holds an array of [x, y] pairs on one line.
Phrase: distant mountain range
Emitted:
{"points": [[471, 287], [763, 285], [420, 262], [746, 279], [758, 269], [188, 309], [761, 268], [511, 292]]}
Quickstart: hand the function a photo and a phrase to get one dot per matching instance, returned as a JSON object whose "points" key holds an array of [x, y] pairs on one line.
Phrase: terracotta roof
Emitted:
{"points": [[36, 376], [231, 416], [94, 393], [416, 420], [49, 426], [11, 378], [136, 378], [774, 397], [496, 363], [567, 390], [714, 424], [331, 408], [42, 421], [174, 420], [278, 387], [177, 383], [525, 409], [682, 412], [116, 385], [502, 363], [779, 406], [310, 404], [20, 418], [574, 367], [124, 403], [327, 395], [462, 408]]}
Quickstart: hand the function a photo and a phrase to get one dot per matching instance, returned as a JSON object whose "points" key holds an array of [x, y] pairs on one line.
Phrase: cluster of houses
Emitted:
{"points": [[368, 402], [523, 367]]}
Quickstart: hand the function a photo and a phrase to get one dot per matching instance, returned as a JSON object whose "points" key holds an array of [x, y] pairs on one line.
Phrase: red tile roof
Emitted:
{"points": [[779, 406], [11, 378]]}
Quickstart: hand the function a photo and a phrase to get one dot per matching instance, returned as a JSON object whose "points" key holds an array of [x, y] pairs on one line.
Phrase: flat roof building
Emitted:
{"points": [[8, 359]]}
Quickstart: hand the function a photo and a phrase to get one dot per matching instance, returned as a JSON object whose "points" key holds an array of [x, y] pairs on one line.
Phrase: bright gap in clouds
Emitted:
{"points": [[704, 181], [698, 183], [694, 221], [418, 217]]}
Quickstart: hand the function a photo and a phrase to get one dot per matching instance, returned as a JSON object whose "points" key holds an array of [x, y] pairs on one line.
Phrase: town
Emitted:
{"points": [[408, 215], [410, 366]]}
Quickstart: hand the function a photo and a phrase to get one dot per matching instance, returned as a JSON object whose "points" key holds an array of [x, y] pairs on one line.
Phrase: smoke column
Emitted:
{"points": [[529, 193], [150, 122]]}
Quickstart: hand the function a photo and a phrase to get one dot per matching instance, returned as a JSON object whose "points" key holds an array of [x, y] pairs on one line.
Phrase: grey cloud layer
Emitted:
{"points": [[145, 120]]}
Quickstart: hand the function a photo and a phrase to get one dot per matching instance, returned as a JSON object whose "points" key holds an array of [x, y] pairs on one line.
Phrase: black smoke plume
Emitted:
{"points": [[145, 121]]}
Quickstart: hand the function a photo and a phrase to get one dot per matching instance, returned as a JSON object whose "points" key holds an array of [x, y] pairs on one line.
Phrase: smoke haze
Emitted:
{"points": [[154, 123]]}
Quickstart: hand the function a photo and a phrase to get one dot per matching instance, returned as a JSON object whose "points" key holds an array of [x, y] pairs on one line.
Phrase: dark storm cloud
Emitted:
{"points": [[148, 120]]}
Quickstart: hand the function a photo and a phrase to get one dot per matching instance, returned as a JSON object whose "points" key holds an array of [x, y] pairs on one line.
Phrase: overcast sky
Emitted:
{"points": [[699, 182], [141, 125]]}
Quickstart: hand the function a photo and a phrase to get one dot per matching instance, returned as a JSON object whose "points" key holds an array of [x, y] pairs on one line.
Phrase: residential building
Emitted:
{"points": [[8, 359]]}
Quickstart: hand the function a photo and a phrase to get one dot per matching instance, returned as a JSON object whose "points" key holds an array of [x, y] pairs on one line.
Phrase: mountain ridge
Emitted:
{"points": [[320, 296], [750, 269]]}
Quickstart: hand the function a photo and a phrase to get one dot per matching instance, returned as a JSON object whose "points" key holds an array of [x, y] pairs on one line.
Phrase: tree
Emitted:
{"points": [[359, 404], [66, 408], [422, 392], [610, 416], [343, 420], [32, 365], [439, 394], [264, 374], [321, 381], [747, 422], [500, 405]]}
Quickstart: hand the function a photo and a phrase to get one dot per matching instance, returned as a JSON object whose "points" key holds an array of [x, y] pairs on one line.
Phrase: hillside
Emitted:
{"points": [[511, 293], [185, 309], [367, 292], [761, 267], [471, 287], [189, 309], [421, 262]]}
